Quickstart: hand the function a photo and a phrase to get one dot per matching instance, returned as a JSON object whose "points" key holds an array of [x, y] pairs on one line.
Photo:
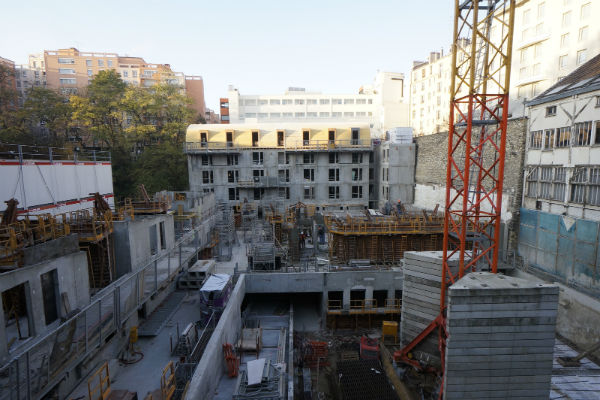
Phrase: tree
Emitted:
{"points": [[162, 166], [8, 103], [99, 113], [47, 113]]}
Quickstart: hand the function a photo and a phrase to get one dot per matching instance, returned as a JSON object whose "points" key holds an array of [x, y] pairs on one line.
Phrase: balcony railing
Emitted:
{"points": [[322, 145]]}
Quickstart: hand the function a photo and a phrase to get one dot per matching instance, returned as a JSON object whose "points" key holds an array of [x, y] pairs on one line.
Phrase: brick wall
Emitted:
{"points": [[431, 159]]}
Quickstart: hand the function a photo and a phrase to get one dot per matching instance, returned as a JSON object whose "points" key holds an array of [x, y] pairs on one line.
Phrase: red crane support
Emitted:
{"points": [[481, 59]]}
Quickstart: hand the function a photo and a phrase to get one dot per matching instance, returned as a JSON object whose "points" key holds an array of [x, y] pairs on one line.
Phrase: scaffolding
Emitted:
{"points": [[225, 231], [382, 239]]}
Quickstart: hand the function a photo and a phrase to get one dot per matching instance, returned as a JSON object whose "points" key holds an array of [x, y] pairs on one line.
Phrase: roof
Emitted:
{"points": [[583, 80], [215, 282]]}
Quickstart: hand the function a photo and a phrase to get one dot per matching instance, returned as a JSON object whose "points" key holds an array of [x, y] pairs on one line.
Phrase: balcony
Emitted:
{"points": [[262, 182], [300, 145]]}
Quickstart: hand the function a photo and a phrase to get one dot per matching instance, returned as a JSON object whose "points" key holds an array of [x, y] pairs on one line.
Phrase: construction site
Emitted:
{"points": [[204, 294]]}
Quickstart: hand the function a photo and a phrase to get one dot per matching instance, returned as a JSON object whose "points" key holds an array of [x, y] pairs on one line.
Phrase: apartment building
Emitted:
{"points": [[326, 165], [30, 75], [560, 218], [380, 105], [194, 87], [551, 39]]}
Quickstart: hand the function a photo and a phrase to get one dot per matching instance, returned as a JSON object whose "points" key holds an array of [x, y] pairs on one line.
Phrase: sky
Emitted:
{"points": [[259, 46]]}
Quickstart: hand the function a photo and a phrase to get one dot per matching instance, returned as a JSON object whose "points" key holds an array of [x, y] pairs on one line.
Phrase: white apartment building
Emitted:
{"points": [[29, 76], [551, 39], [381, 105]]}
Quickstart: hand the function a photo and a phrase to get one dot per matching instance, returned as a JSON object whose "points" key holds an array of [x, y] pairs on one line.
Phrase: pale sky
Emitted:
{"points": [[260, 46]]}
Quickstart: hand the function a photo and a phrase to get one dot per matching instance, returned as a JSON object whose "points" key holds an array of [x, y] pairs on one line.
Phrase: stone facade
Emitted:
{"points": [[430, 173]]}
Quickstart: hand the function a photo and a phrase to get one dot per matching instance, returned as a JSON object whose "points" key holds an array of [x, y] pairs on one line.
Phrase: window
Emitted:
{"points": [[348, 101], [563, 137], [257, 173], [581, 56], [539, 28], [66, 71], [287, 115], [274, 102], [207, 177], [309, 174], [284, 192], [286, 101], [250, 115], [258, 193], [308, 158], [275, 115], [309, 193], [206, 160], [541, 10], [524, 54], [549, 139], [526, 16], [537, 50], [583, 133], [262, 102], [583, 33], [90, 72], [334, 158], [566, 19], [311, 101], [564, 40], [563, 61], [299, 101], [299, 115], [66, 60], [336, 101], [357, 192], [110, 63], [232, 159], [250, 102], [284, 175], [545, 182], [101, 63], [257, 157], [234, 194], [254, 138], [324, 101], [311, 115], [323, 115], [550, 111], [560, 183], [336, 114], [68, 81], [50, 296], [334, 174], [263, 115], [578, 181], [594, 187], [357, 158], [357, 174], [280, 138], [88, 63], [334, 192], [585, 10], [531, 179], [355, 137], [597, 136], [536, 140], [134, 74], [125, 74], [233, 176], [305, 138]]}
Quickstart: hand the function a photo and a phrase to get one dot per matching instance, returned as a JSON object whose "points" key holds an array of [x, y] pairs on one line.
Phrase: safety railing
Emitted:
{"points": [[366, 306], [9, 151], [296, 145], [35, 370]]}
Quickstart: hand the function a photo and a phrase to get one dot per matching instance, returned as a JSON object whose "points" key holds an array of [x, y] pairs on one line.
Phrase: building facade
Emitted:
{"points": [[551, 39], [380, 105], [281, 163], [560, 218], [194, 87]]}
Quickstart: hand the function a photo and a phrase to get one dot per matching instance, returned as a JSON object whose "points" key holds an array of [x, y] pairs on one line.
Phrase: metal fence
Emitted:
{"points": [[33, 372]]}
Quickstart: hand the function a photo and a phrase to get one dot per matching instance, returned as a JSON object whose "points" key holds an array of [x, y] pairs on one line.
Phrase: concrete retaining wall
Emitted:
{"points": [[212, 365]]}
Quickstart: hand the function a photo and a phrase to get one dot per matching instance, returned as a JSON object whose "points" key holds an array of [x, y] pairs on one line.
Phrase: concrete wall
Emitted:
{"points": [[132, 240], [72, 272], [430, 173], [397, 183], [324, 282], [566, 248], [212, 364]]}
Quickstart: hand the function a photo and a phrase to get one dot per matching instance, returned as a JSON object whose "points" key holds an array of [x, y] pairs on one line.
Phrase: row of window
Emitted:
{"points": [[308, 193], [89, 63], [284, 175], [550, 183], [276, 102], [581, 134], [358, 114]]}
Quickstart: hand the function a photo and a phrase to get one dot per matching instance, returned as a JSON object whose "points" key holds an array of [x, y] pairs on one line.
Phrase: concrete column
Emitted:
{"points": [[369, 292], [346, 298], [391, 293], [324, 301], [3, 344], [36, 311]]}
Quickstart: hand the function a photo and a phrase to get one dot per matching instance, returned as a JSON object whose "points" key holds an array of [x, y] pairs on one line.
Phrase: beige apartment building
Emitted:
{"points": [[551, 39]]}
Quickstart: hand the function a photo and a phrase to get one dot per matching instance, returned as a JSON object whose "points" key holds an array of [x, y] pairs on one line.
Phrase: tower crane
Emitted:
{"points": [[481, 62]]}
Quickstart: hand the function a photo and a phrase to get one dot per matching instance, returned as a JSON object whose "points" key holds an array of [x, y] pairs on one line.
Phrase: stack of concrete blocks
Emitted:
{"points": [[501, 338], [421, 301]]}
